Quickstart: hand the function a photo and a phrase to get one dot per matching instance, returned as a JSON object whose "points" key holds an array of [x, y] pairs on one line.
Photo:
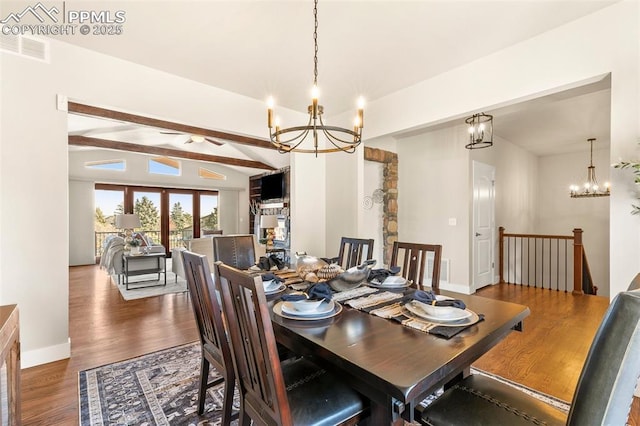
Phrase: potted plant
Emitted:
{"points": [[134, 245], [635, 167]]}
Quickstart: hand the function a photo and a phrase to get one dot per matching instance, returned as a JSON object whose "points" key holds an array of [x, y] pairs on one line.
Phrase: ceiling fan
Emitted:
{"points": [[195, 138]]}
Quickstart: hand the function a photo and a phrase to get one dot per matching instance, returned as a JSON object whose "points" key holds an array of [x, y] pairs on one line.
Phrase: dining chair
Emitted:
{"points": [[352, 251], [603, 395], [235, 250], [414, 259], [291, 392], [215, 347]]}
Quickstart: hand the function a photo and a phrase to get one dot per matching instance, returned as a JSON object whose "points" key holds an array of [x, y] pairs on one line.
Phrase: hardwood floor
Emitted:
{"points": [[104, 328]]}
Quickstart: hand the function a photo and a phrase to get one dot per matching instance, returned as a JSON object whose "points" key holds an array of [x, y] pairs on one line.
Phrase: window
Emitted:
{"points": [[164, 166], [118, 165], [167, 215]]}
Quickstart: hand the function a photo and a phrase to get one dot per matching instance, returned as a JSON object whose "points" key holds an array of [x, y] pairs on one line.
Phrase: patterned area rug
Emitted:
{"points": [[160, 388]]}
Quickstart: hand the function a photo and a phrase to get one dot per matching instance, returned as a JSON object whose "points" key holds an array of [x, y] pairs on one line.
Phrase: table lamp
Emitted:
{"points": [[127, 222], [269, 222]]}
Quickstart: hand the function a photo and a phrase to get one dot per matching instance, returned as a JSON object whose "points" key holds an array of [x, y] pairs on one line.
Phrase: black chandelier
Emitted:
{"points": [[341, 139], [590, 187], [480, 131]]}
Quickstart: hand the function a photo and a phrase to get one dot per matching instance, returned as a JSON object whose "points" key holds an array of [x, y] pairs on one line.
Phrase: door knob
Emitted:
{"points": [[478, 234]]}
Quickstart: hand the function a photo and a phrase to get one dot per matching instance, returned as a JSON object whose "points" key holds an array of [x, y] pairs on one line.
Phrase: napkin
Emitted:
{"points": [[381, 274], [317, 291], [429, 298], [269, 276]]}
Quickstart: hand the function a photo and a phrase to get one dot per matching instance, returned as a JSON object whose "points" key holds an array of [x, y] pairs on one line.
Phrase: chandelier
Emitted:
{"points": [[591, 187], [480, 131], [290, 139]]}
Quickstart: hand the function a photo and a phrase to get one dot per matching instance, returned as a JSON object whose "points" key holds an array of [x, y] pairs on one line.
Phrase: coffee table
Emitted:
{"points": [[152, 263]]}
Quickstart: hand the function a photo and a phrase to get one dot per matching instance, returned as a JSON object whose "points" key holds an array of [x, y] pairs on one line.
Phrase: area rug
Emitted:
{"points": [[160, 388], [143, 286]]}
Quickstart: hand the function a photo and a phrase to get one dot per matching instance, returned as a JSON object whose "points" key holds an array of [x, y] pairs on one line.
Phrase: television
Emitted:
{"points": [[272, 186]]}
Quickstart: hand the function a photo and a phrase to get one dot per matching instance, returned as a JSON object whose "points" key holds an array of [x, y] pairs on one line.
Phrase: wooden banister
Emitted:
{"points": [[577, 261], [524, 256]]}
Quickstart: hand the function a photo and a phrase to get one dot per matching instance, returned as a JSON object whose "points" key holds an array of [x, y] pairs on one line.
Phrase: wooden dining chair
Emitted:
{"points": [[413, 259], [603, 395], [294, 392], [352, 251], [235, 250], [215, 347]]}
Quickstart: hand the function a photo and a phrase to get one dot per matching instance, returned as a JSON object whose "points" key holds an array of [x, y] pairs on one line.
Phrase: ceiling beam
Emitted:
{"points": [[77, 108], [167, 152]]}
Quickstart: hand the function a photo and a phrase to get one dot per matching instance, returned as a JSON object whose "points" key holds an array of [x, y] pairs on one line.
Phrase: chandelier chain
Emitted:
{"points": [[315, 43]]}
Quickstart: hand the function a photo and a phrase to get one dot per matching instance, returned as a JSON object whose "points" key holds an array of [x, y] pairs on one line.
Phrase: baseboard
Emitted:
{"points": [[45, 355], [457, 288]]}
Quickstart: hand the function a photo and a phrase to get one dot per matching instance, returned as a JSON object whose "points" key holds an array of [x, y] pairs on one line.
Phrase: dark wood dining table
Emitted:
{"points": [[395, 366]]}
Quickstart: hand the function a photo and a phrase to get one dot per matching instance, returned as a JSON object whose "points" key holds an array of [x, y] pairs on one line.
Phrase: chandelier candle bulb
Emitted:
{"points": [[270, 103]]}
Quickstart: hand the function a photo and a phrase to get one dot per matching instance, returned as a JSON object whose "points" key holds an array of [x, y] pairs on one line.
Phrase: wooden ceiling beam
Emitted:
{"points": [[167, 152], [77, 108]]}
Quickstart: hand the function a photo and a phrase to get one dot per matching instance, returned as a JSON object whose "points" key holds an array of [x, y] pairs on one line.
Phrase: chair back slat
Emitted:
{"points": [[254, 346], [414, 259], [352, 251], [207, 312]]}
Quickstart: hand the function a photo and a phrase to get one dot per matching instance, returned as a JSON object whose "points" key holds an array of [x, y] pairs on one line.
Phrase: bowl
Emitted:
{"points": [[306, 305], [350, 279], [444, 312]]}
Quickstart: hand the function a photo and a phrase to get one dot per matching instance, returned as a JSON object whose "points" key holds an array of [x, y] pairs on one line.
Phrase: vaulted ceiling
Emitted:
{"points": [[368, 48]]}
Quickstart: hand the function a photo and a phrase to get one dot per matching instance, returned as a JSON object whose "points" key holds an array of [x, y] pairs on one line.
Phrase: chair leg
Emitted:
{"points": [[227, 403], [204, 377]]}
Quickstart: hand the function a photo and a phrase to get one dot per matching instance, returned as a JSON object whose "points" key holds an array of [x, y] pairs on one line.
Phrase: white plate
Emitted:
{"points": [[448, 315], [278, 289], [391, 282], [323, 309], [277, 309]]}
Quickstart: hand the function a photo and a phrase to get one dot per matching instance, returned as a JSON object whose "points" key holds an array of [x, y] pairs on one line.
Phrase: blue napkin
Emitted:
{"points": [[381, 274], [430, 299], [317, 291], [269, 276]]}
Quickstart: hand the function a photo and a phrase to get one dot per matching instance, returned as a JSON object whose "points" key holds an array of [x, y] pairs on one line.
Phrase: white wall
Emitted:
{"points": [[82, 211], [433, 186], [559, 214], [570, 55], [33, 136]]}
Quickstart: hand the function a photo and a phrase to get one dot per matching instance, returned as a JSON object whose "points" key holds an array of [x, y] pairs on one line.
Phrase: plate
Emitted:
{"points": [[459, 319], [391, 282], [278, 289], [277, 309], [270, 285], [324, 308]]}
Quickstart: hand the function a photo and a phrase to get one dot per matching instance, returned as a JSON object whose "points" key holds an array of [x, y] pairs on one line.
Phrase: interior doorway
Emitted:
{"points": [[483, 230]]}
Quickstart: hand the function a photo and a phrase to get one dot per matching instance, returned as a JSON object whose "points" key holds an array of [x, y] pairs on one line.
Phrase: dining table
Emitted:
{"points": [[395, 366]]}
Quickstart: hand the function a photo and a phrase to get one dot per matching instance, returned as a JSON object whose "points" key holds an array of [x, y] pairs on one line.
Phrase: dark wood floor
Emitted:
{"points": [[104, 328]]}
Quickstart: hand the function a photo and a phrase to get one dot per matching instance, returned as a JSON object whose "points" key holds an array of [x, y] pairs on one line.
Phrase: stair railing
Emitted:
{"points": [[545, 261]]}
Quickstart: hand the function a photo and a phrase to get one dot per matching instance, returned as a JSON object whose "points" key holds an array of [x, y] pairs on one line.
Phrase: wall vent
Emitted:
{"points": [[28, 47], [444, 270]]}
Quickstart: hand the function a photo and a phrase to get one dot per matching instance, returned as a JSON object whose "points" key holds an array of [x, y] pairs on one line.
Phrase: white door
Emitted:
{"points": [[483, 224]]}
